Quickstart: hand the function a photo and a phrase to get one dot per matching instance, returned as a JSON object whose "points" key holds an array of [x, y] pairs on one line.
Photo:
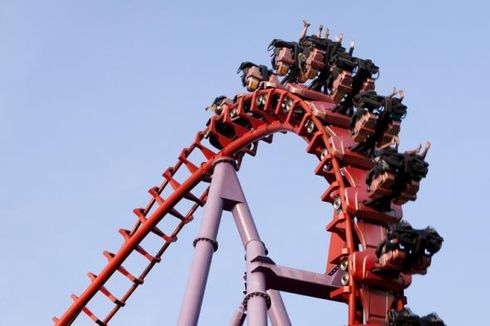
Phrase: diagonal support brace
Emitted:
{"points": [[225, 193]]}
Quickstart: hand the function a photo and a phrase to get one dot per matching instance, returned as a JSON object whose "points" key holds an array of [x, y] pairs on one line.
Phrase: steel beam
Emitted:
{"points": [[205, 245]]}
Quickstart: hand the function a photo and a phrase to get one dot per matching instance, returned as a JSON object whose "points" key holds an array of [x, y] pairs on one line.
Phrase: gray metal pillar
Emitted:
{"points": [[205, 245]]}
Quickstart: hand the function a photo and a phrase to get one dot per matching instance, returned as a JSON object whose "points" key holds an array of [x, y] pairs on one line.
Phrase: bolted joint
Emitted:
{"points": [[226, 159], [257, 294], [213, 242]]}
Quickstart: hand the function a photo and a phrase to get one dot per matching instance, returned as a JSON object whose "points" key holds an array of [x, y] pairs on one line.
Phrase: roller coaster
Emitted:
{"points": [[318, 90]]}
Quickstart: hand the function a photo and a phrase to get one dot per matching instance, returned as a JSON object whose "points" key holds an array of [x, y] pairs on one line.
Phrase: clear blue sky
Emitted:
{"points": [[97, 98]]}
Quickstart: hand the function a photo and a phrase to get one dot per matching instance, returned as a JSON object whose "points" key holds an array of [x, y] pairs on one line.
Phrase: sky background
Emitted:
{"points": [[97, 98]]}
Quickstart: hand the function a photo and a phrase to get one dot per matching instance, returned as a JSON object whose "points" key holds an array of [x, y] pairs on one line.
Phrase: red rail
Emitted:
{"points": [[253, 117]]}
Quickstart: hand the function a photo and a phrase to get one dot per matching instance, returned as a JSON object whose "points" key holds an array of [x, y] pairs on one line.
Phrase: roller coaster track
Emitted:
{"points": [[356, 228]]}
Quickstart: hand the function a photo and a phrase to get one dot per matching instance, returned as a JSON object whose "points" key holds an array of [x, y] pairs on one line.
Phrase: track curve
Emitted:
{"points": [[237, 131]]}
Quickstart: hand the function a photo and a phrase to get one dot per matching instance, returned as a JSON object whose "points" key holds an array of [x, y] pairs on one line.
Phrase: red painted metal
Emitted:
{"points": [[237, 128]]}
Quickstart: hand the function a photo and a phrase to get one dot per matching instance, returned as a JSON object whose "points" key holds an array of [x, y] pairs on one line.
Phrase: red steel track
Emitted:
{"points": [[356, 229]]}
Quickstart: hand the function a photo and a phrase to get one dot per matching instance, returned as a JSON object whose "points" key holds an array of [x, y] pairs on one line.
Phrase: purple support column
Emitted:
{"points": [[205, 244], [257, 300], [238, 317], [277, 312], [244, 222], [225, 193]]}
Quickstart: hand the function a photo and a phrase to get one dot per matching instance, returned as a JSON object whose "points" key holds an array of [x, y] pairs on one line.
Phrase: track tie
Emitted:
{"points": [[168, 174], [316, 144], [324, 166], [302, 124], [127, 234], [170, 170], [332, 190], [89, 313], [252, 151], [154, 193], [190, 196], [189, 165], [177, 214], [208, 154], [140, 213], [268, 139], [156, 230], [122, 270], [278, 109], [162, 235], [176, 185], [147, 255], [106, 292]]}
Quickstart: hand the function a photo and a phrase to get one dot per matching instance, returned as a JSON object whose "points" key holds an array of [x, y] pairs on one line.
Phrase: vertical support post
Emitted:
{"points": [[256, 300], [238, 317], [205, 245]]}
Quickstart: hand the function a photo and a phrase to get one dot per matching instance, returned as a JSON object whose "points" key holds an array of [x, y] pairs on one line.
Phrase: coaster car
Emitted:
{"points": [[407, 250]]}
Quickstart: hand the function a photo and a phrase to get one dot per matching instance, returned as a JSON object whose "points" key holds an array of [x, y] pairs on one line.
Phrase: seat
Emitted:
{"points": [[390, 134], [341, 85], [381, 185], [314, 63], [364, 126], [283, 60]]}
